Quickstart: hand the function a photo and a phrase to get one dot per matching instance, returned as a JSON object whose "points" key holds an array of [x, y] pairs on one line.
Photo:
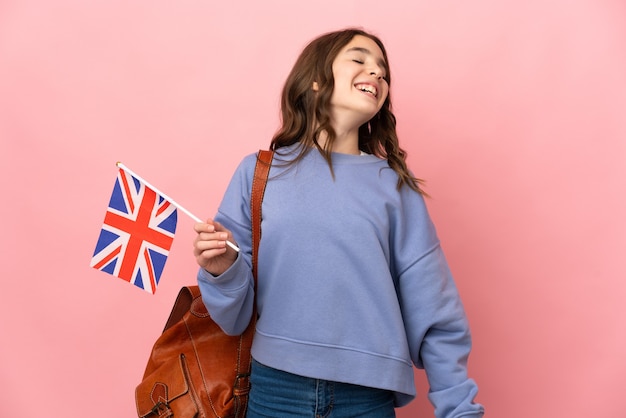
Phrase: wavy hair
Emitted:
{"points": [[306, 113]]}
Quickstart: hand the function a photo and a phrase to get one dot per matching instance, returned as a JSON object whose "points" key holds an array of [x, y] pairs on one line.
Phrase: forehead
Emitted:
{"points": [[364, 45]]}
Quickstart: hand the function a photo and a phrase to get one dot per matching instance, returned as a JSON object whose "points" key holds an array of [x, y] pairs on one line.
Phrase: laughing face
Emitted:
{"points": [[361, 88]]}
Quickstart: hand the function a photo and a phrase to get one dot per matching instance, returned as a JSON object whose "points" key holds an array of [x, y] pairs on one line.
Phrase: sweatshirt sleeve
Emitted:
{"points": [[435, 320], [229, 297]]}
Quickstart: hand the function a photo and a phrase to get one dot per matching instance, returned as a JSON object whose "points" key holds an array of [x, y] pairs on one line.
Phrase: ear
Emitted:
{"points": [[316, 86]]}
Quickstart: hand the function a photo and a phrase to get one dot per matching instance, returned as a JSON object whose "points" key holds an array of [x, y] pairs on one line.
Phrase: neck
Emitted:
{"points": [[346, 138], [344, 143]]}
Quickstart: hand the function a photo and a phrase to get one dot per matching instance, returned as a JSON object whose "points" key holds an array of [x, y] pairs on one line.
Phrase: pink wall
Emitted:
{"points": [[516, 115]]}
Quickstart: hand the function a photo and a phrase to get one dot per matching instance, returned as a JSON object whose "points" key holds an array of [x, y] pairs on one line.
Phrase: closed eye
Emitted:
{"points": [[361, 62]]}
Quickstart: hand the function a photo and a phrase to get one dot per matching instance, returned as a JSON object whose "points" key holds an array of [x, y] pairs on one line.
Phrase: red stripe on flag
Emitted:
{"points": [[163, 207], [127, 192], [108, 258], [146, 256]]}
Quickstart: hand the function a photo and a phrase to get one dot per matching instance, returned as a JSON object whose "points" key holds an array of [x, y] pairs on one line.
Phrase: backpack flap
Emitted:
{"points": [[161, 393]]}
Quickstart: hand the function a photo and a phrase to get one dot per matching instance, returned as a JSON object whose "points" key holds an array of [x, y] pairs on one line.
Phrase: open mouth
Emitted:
{"points": [[367, 88]]}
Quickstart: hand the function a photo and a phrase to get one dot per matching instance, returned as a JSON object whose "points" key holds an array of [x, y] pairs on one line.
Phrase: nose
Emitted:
{"points": [[376, 71]]}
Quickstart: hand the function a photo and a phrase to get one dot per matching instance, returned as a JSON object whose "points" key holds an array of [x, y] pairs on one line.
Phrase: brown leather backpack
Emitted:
{"points": [[195, 369]]}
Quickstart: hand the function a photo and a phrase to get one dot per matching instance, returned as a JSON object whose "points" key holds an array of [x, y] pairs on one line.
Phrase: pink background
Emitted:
{"points": [[515, 113]]}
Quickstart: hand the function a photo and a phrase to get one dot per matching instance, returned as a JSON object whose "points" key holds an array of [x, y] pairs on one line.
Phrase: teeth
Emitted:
{"points": [[367, 88]]}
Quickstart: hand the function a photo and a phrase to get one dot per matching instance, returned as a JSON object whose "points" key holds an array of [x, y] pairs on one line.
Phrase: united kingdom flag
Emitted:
{"points": [[137, 233]]}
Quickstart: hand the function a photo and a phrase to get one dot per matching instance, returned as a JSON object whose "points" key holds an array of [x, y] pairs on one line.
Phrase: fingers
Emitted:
{"points": [[210, 241], [210, 232], [208, 226], [210, 247]]}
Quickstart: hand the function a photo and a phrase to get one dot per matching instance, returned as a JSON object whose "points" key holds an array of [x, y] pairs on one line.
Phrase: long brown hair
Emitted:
{"points": [[305, 113]]}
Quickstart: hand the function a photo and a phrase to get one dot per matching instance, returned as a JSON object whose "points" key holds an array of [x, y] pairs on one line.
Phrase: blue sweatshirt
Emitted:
{"points": [[352, 283]]}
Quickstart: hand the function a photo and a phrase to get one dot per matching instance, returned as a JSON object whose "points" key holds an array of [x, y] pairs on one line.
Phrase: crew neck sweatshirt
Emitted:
{"points": [[353, 285]]}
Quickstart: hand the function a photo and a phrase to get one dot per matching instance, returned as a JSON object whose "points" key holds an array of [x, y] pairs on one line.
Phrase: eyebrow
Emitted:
{"points": [[380, 61]]}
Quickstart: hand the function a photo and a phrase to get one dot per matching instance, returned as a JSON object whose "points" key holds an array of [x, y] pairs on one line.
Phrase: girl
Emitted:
{"points": [[353, 287]]}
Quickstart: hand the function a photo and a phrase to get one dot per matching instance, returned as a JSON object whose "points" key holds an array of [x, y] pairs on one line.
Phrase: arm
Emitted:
{"points": [[439, 335], [229, 297], [436, 325], [225, 276]]}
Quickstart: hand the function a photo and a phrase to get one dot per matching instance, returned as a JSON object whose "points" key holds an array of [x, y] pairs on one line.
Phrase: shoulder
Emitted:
{"points": [[245, 169], [241, 179], [249, 160]]}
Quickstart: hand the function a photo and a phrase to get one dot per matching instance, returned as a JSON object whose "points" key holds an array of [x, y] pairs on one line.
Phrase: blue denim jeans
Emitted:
{"points": [[278, 394]]}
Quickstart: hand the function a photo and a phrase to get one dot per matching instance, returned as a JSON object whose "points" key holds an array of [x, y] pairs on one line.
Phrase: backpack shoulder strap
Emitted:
{"points": [[261, 173]]}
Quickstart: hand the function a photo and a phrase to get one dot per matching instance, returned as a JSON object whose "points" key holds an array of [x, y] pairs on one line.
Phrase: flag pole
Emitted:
{"points": [[191, 215]]}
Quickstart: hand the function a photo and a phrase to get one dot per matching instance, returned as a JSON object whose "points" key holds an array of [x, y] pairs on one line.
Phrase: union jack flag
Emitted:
{"points": [[137, 233]]}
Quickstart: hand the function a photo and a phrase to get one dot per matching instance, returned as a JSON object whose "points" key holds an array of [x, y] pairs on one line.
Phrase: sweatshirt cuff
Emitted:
{"points": [[457, 401], [233, 278]]}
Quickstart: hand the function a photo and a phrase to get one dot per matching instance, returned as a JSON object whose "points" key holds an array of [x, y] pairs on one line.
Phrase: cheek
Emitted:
{"points": [[385, 94], [339, 77]]}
